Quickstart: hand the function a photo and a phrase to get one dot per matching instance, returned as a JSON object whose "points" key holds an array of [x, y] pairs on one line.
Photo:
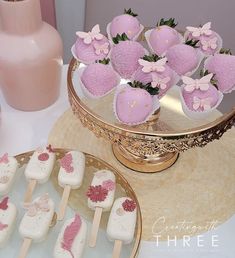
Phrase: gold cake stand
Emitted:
{"points": [[153, 146]]}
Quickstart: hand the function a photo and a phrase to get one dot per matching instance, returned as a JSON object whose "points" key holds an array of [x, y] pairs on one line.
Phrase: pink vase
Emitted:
{"points": [[30, 56]]}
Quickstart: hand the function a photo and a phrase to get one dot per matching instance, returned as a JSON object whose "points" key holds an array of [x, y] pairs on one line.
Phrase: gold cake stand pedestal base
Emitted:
{"points": [[144, 165]]}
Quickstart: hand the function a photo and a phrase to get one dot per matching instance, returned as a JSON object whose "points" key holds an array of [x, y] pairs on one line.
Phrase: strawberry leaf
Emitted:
{"points": [[129, 11], [148, 87], [119, 38], [171, 22]]}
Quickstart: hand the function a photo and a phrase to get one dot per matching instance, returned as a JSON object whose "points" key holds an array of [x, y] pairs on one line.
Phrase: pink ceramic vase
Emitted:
{"points": [[30, 56]]}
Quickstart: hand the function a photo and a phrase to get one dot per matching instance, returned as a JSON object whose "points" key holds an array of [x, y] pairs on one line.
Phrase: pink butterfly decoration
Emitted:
{"points": [[66, 163], [4, 159], [3, 226], [205, 104], [148, 67], [101, 48], [70, 234], [198, 84], [211, 43], [41, 205], [159, 82], [204, 30], [88, 37]]}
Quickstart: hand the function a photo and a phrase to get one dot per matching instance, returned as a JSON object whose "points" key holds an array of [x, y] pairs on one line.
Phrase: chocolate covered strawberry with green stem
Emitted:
{"points": [[223, 66], [98, 79], [125, 54], [154, 69], [200, 96], [164, 36], [135, 102], [127, 23], [185, 58]]}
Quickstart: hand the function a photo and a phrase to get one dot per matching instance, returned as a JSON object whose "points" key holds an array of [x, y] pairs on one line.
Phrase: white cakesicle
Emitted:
{"points": [[121, 224], [100, 178], [72, 171], [8, 168], [37, 220], [40, 165], [8, 214], [72, 239]]}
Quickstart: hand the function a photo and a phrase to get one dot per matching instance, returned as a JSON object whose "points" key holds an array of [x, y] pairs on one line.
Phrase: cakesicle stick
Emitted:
{"points": [[38, 169], [100, 199], [30, 189], [95, 226], [72, 167], [25, 247], [117, 249], [64, 202]]}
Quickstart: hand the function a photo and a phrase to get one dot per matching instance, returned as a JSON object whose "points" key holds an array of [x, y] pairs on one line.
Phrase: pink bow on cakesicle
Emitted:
{"points": [[205, 104], [198, 84], [88, 37], [204, 30], [158, 66], [101, 48]]}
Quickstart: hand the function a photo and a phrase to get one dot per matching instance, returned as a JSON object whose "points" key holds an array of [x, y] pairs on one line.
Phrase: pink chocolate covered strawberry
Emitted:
{"points": [[98, 79], [200, 96], [184, 58], [154, 69], [164, 36], [210, 42], [91, 46], [223, 66], [135, 103], [125, 55], [126, 23]]}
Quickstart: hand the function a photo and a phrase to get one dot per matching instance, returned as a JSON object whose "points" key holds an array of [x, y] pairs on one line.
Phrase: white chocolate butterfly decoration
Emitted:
{"points": [[88, 37], [158, 66], [99, 49], [41, 205], [205, 104], [204, 30], [211, 43], [198, 84], [159, 82]]}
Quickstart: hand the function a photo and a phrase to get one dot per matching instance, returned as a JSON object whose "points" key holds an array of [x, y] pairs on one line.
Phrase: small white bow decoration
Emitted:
{"points": [[158, 66], [198, 84], [88, 37], [204, 30]]}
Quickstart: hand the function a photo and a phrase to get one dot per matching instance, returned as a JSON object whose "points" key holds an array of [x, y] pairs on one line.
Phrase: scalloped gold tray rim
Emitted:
{"points": [[170, 135], [24, 158]]}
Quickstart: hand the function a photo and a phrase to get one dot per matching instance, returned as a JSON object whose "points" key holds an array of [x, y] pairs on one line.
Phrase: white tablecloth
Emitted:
{"points": [[24, 131]]}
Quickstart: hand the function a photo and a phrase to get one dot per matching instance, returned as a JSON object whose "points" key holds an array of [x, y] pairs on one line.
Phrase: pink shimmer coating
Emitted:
{"points": [[162, 38], [125, 56], [147, 77], [87, 52], [182, 58], [212, 93], [223, 66], [99, 79], [133, 105], [125, 23]]}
